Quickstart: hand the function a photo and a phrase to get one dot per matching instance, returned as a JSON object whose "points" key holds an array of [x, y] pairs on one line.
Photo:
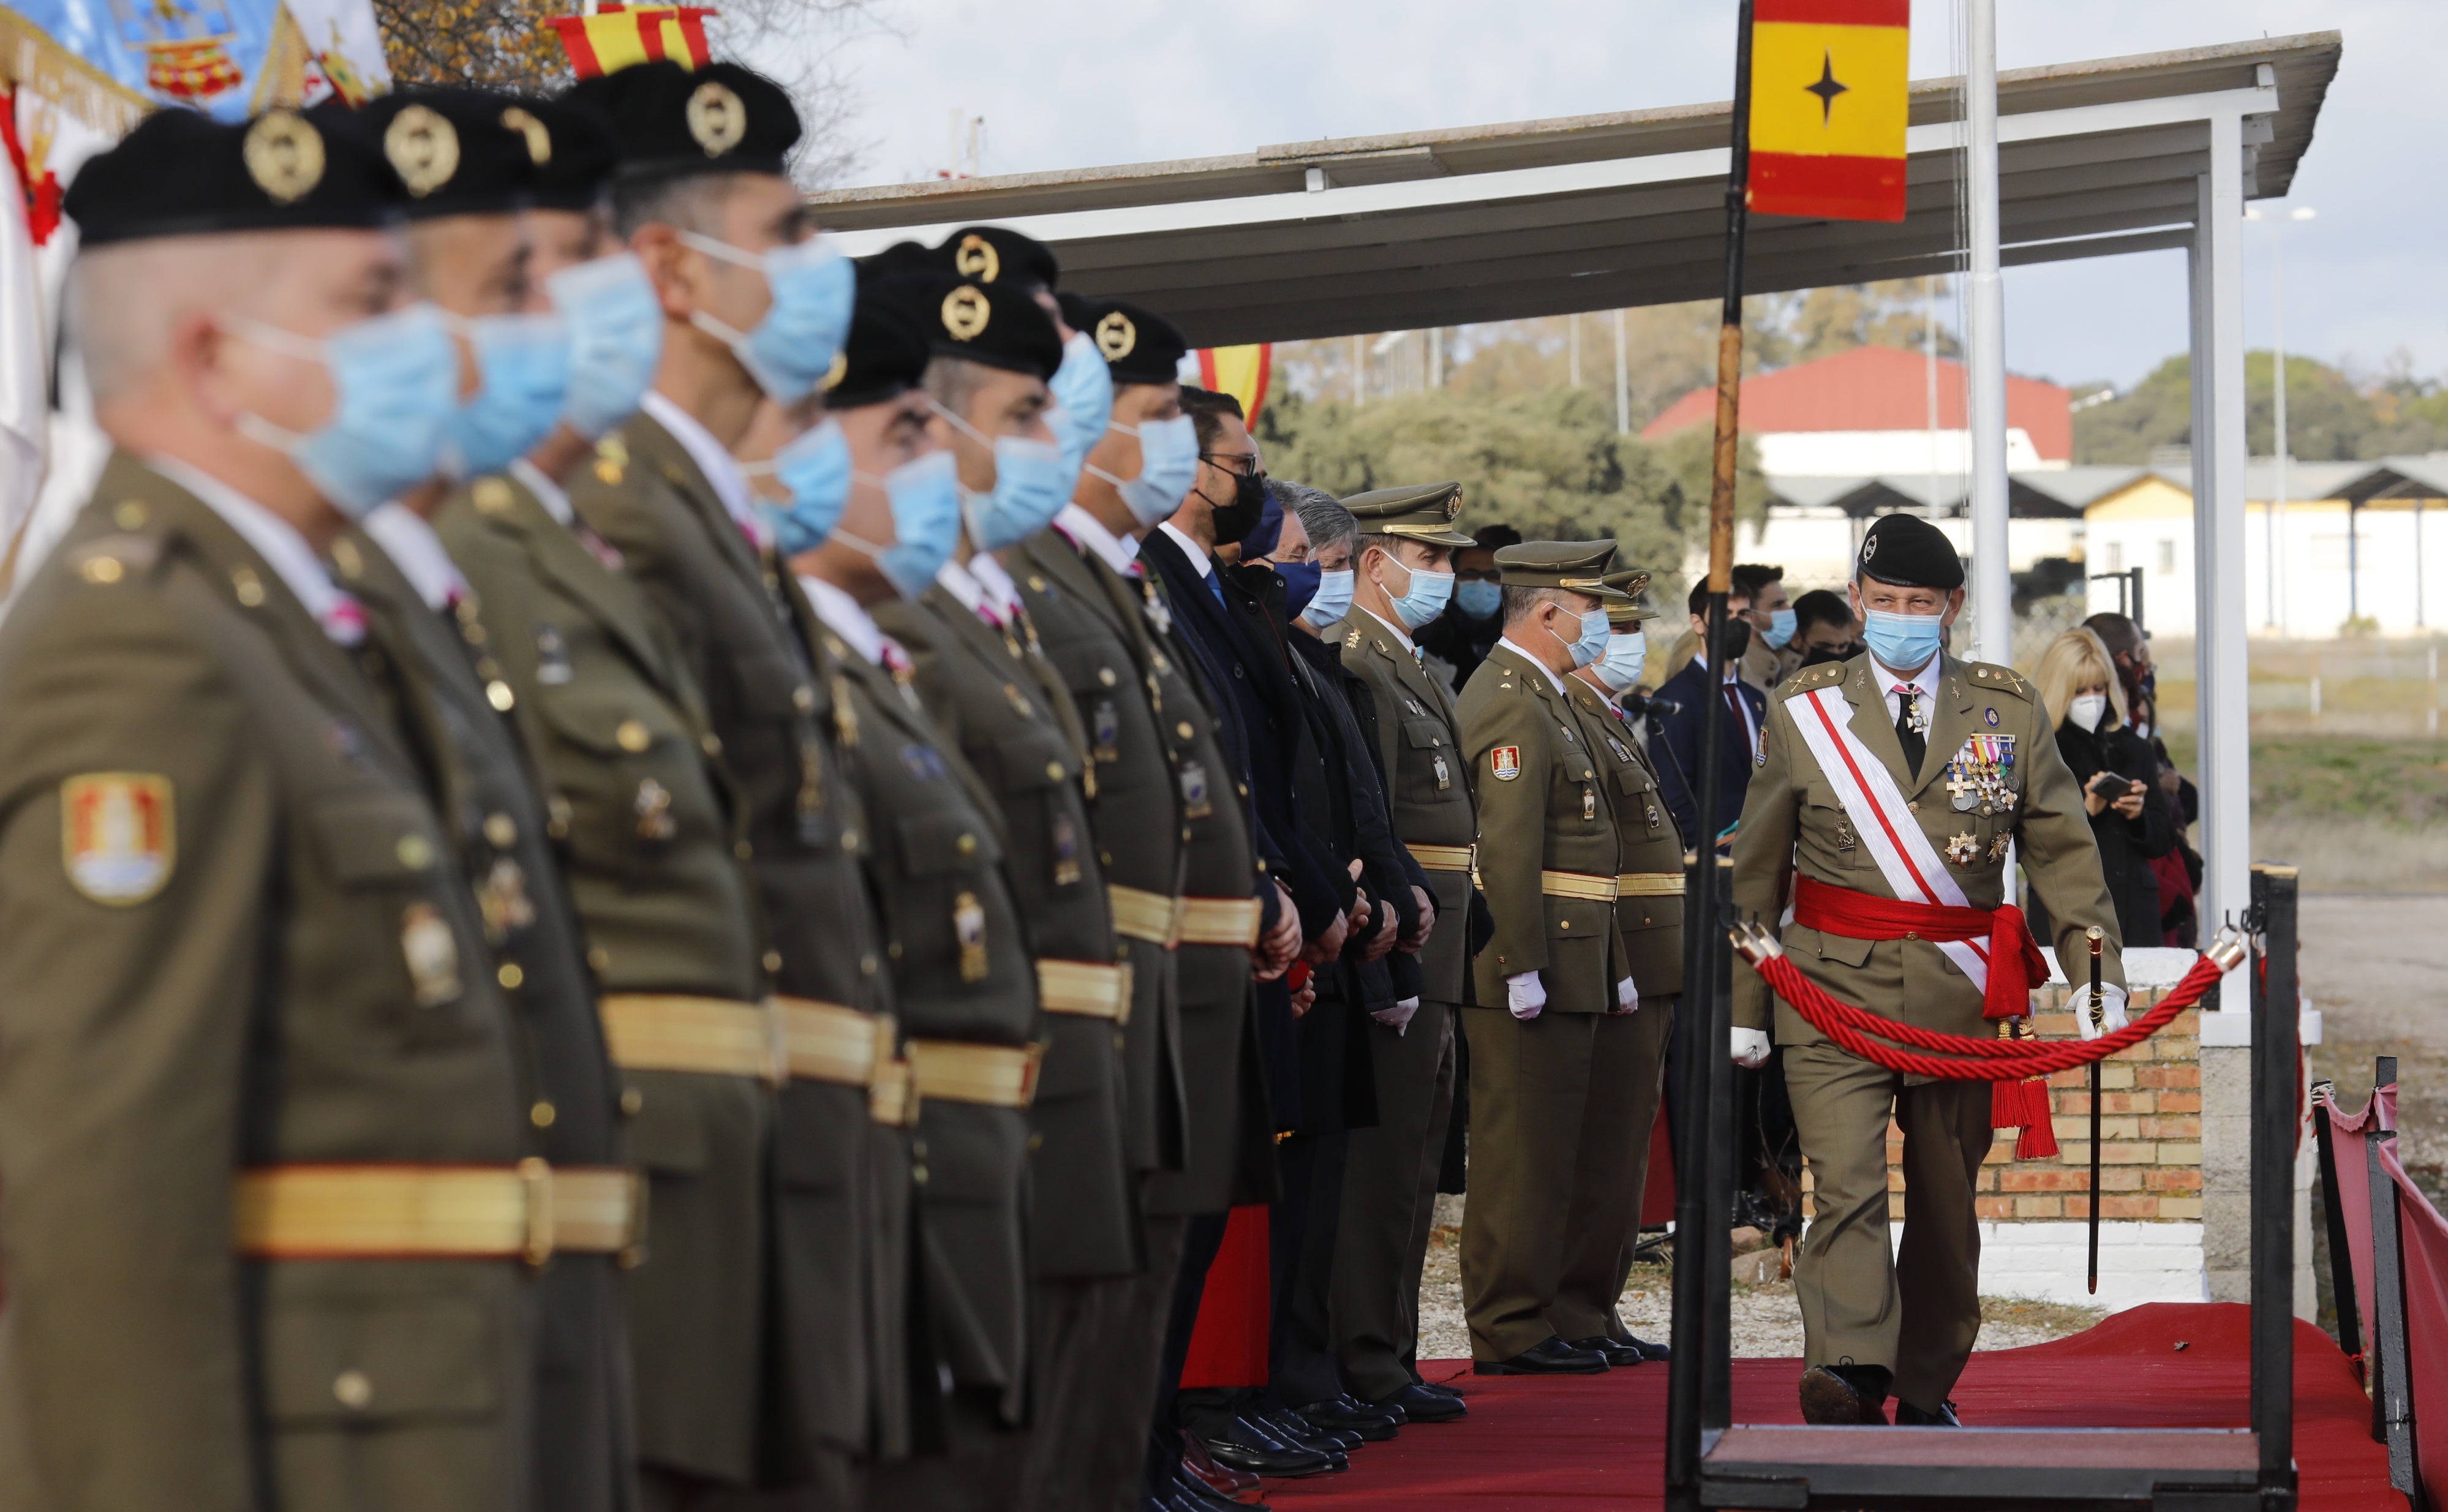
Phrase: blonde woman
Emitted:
{"points": [[2118, 771]]}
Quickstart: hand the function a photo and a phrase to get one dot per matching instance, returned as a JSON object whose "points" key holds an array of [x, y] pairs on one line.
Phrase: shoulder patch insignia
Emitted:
{"points": [[1504, 762], [119, 834]]}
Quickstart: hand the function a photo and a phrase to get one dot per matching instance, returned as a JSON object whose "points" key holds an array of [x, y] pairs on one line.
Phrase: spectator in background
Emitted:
{"points": [[1455, 643], [2180, 870], [2118, 772], [2129, 647], [1765, 662], [1824, 628], [1676, 751]]}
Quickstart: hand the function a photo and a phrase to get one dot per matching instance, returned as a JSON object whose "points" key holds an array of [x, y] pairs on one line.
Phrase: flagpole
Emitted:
{"points": [[1704, 1083]]}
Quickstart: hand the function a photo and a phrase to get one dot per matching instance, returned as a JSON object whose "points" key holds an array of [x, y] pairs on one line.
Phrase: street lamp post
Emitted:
{"points": [[2275, 515]]}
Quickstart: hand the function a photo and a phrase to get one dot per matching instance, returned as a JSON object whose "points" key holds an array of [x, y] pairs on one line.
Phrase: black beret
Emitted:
{"points": [[993, 323], [456, 150], [1140, 345], [903, 259], [673, 122], [994, 255], [574, 148], [886, 355], [182, 173], [1906, 552]]}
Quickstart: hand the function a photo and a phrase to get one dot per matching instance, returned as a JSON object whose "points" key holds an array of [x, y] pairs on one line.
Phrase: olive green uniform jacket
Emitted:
{"points": [[999, 700], [1648, 904], [837, 1247], [280, 967], [1545, 818], [453, 696], [1792, 822]]}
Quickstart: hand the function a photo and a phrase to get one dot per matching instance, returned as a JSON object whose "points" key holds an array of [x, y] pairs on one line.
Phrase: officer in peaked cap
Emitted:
{"points": [[1958, 761], [1555, 1034], [251, 997], [1408, 536]]}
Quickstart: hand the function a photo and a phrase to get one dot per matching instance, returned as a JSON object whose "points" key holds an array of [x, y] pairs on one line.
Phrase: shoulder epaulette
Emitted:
{"points": [[1989, 675], [1809, 677], [115, 558]]}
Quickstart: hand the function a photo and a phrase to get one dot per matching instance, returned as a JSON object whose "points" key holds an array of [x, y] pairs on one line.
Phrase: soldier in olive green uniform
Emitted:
{"points": [[1551, 1144], [1649, 928], [1389, 1184], [701, 189], [275, 1202], [1960, 761]]}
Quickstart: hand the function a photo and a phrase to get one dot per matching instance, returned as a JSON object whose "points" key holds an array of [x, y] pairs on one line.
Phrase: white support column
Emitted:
{"points": [[2220, 649], [1993, 593]]}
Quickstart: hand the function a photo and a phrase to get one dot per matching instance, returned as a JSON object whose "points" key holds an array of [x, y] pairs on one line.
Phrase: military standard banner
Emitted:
{"points": [[1829, 94]]}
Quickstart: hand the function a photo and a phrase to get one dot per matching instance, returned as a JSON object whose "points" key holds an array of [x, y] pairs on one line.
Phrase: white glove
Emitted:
{"points": [[1751, 1048], [1627, 997], [2111, 996], [1525, 995], [1397, 1018]]}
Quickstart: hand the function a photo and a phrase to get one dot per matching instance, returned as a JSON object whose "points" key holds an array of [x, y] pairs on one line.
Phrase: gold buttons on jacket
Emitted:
{"points": [[712, 743], [633, 737], [967, 845], [414, 851], [498, 694], [501, 830], [510, 976], [632, 1102], [352, 1390], [542, 1113], [772, 960]]}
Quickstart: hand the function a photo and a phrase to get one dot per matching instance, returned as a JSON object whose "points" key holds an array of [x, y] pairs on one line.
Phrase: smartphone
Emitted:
{"points": [[2110, 785]]}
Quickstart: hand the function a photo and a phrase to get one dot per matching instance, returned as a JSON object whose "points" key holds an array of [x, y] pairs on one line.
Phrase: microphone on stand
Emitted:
{"points": [[1637, 704]]}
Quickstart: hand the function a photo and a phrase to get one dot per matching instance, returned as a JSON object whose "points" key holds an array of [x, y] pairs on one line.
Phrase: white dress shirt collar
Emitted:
{"points": [[1196, 553], [1003, 595], [844, 617], [1556, 681], [1087, 531], [956, 580], [712, 458], [1924, 681], [548, 493], [274, 539], [409, 541]]}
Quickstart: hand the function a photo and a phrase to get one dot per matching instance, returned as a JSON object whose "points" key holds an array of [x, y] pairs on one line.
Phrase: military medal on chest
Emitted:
{"points": [[1980, 775], [969, 928], [1445, 774]]}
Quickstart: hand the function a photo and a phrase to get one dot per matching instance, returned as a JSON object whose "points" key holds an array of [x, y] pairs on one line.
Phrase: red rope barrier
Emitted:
{"points": [[1966, 1059]]}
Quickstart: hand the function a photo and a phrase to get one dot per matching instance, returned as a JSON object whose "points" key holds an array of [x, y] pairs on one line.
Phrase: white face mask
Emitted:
{"points": [[2085, 710]]}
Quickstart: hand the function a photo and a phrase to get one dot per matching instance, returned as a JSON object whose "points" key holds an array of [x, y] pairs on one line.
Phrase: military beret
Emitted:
{"points": [[458, 151], [993, 323], [674, 123], [903, 259], [885, 356], [574, 147], [1420, 511], [1906, 552], [183, 173], [1140, 346], [994, 255], [1620, 597], [1579, 565]]}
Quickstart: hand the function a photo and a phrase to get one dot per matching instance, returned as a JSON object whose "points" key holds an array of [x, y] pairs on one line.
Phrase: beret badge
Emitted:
{"points": [[977, 258], [834, 374], [717, 118], [423, 149], [1116, 336], [539, 140], [966, 313], [284, 156]]}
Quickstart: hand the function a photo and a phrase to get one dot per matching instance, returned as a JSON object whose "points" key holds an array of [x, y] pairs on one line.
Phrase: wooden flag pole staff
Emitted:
{"points": [[1704, 1093], [2098, 1012]]}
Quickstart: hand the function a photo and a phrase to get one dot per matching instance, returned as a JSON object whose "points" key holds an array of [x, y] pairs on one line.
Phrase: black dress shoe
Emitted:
{"points": [[1420, 1404], [1336, 1415], [1240, 1445], [1292, 1428], [1614, 1351], [1909, 1416], [1550, 1356], [1437, 1387], [1190, 1494], [1830, 1399], [1385, 1410], [1647, 1350]]}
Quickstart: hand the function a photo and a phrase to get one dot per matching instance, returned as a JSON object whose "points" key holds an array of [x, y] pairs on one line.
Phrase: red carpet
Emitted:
{"points": [[1582, 1443]]}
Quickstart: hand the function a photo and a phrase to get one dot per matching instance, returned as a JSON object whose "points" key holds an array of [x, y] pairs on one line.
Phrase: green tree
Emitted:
{"points": [[2329, 418]]}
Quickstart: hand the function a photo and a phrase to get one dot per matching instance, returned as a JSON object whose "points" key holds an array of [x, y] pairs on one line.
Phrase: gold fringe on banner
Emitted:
{"points": [[282, 80], [31, 60]]}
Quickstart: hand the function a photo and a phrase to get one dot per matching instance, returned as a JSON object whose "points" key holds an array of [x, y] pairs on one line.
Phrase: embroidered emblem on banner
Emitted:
{"points": [[1505, 761], [118, 836]]}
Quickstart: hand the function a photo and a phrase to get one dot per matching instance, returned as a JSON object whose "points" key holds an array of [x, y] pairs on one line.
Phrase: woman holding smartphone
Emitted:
{"points": [[2129, 815]]}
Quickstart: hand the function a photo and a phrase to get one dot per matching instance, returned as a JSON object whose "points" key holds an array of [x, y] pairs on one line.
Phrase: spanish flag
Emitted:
{"points": [[1241, 371], [1829, 94], [609, 37]]}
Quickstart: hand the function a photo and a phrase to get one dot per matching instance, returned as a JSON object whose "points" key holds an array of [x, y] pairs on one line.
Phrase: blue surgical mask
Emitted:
{"points": [[1592, 647], [1627, 652], [1781, 626], [816, 467], [1478, 598], [1029, 487], [926, 497], [1329, 599], [794, 347], [1084, 392], [523, 361], [616, 338], [395, 381], [1426, 597], [1168, 465], [1902, 642]]}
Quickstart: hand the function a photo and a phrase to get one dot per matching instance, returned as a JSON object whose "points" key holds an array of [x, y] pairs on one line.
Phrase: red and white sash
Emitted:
{"points": [[1881, 817]]}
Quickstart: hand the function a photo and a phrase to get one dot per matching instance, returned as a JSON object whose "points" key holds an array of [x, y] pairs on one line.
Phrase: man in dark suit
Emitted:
{"points": [[1677, 746]]}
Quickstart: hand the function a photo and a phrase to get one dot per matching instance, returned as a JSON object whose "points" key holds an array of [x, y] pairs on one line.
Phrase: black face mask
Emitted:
{"points": [[1234, 521], [1738, 637]]}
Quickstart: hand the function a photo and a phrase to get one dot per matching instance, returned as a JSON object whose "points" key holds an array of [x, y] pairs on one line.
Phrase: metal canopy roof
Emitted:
{"points": [[1366, 234]]}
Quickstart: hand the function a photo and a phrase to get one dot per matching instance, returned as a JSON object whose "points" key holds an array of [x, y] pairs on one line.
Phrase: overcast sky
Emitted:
{"points": [[1072, 83]]}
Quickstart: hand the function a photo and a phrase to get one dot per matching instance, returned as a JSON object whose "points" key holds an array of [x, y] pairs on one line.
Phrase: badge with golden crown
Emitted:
{"points": [[966, 313], [717, 118], [976, 258], [423, 148], [1116, 336], [284, 156]]}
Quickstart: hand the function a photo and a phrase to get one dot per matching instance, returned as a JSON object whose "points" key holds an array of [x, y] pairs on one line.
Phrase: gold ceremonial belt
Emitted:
{"points": [[1444, 858], [1219, 920], [527, 1211], [1649, 885], [958, 1071], [1143, 916], [1086, 989], [1576, 885], [775, 1041]]}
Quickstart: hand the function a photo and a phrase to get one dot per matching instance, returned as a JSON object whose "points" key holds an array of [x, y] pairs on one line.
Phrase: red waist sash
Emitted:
{"points": [[2016, 965]]}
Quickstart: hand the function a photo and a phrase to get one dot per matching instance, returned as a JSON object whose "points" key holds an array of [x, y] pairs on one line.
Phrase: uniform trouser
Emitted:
{"points": [[1647, 1090], [1918, 1312], [1302, 1235], [1202, 1239], [971, 1472], [1389, 1200], [838, 1485], [1077, 1390], [1552, 1153], [1129, 1339]]}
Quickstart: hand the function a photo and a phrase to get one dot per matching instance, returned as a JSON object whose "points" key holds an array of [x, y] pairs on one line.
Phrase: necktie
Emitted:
{"points": [[1908, 732]]}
